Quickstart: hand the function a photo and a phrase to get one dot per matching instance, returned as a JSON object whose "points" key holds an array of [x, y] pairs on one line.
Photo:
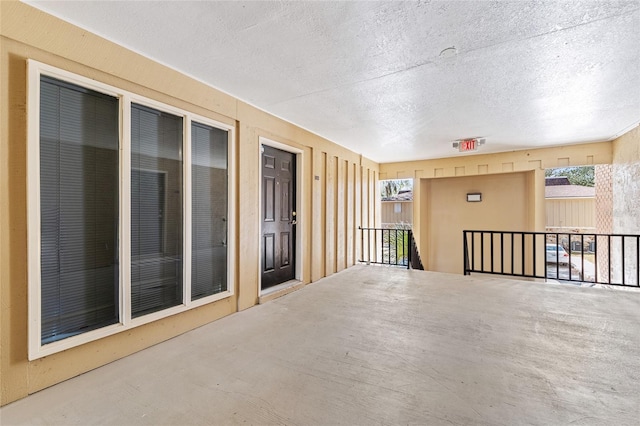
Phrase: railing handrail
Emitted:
{"points": [[389, 246], [603, 245], [553, 233], [380, 229]]}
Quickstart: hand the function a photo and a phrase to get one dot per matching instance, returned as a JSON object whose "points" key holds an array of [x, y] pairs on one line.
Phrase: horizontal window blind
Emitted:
{"points": [[79, 209], [156, 210], [208, 210], [79, 223]]}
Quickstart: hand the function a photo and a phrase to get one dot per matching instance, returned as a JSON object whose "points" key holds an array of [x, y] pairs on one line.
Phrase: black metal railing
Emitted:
{"points": [[389, 246], [612, 259]]}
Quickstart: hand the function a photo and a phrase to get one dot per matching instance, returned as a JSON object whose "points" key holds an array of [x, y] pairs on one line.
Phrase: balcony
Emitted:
{"points": [[378, 345]]}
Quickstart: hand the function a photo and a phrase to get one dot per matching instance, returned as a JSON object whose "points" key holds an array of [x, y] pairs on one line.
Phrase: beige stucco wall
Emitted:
{"points": [[446, 213], [338, 186], [535, 160]]}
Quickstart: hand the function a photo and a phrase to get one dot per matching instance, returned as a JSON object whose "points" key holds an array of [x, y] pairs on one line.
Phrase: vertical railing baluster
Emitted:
{"points": [[533, 236], [582, 256], [482, 251], [546, 270], [513, 249], [502, 252], [523, 258], [609, 270], [491, 236], [410, 248], [464, 253], [569, 265], [623, 256], [473, 250], [389, 244], [595, 257], [361, 237]]}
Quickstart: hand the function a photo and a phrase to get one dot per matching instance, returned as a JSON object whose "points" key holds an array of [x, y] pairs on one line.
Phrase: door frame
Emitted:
{"points": [[299, 229]]}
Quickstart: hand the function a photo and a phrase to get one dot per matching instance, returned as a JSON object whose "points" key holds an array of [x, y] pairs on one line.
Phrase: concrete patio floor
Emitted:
{"points": [[376, 345]]}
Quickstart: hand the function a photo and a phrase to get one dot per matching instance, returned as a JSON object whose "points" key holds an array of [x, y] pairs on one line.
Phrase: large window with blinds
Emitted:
{"points": [[156, 210], [209, 210], [129, 210], [79, 145]]}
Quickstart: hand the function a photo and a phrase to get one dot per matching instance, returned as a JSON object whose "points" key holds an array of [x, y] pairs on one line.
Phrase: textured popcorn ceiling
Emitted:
{"points": [[379, 77]]}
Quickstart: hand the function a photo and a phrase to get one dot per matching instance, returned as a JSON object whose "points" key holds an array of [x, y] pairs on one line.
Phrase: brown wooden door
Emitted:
{"points": [[278, 216]]}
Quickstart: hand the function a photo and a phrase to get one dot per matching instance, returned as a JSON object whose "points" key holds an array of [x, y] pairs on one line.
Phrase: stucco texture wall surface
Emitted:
{"points": [[505, 207], [464, 165]]}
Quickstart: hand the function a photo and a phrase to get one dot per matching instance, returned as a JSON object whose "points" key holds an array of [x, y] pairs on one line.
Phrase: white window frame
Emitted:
{"points": [[35, 70]]}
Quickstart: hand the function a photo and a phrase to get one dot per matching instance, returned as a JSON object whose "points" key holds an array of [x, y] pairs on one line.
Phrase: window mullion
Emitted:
{"points": [[125, 211], [33, 211], [187, 237]]}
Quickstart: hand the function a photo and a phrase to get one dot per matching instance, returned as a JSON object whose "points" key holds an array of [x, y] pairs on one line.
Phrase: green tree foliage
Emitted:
{"points": [[582, 175], [390, 188]]}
